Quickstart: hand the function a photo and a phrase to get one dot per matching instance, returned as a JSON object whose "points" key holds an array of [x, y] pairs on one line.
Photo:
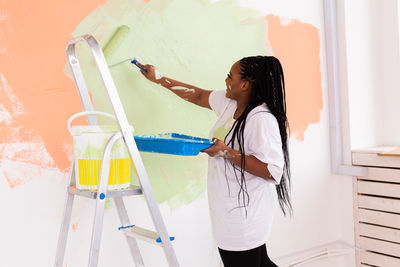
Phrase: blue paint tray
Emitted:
{"points": [[172, 143]]}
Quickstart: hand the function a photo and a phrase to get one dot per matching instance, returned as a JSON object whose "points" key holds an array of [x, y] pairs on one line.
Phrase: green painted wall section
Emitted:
{"points": [[192, 41]]}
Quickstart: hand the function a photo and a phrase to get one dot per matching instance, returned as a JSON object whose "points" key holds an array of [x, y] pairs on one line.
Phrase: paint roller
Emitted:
{"points": [[115, 42]]}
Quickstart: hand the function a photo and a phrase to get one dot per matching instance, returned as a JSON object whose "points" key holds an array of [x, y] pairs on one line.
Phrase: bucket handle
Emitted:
{"points": [[89, 112]]}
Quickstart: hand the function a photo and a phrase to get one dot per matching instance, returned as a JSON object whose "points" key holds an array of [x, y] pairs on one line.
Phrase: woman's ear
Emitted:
{"points": [[245, 86]]}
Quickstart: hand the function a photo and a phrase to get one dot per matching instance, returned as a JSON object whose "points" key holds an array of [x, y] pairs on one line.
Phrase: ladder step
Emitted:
{"points": [[143, 234], [132, 190]]}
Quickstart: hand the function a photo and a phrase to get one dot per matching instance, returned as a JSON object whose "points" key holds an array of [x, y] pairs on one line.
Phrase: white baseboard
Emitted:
{"points": [[302, 257]]}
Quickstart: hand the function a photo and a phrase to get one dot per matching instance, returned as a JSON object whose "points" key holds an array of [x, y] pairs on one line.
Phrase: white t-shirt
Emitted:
{"points": [[232, 229]]}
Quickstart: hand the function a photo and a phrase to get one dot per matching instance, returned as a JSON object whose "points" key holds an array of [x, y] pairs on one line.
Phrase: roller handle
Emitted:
{"points": [[134, 61]]}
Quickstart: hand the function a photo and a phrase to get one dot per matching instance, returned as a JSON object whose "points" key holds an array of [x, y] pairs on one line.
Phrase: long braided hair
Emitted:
{"points": [[265, 75]]}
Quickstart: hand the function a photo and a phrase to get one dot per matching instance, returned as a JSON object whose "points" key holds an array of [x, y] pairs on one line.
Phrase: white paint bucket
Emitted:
{"points": [[89, 143]]}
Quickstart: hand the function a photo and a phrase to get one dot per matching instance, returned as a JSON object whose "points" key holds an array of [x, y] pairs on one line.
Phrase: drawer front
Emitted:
{"points": [[375, 259], [382, 175], [379, 203], [391, 190], [373, 159], [380, 246], [379, 218], [379, 232]]}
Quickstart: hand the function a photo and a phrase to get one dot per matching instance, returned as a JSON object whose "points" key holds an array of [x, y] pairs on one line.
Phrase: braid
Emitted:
{"points": [[267, 86]]}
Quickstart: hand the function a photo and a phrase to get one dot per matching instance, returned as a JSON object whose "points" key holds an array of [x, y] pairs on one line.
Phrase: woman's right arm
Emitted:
{"points": [[187, 92]]}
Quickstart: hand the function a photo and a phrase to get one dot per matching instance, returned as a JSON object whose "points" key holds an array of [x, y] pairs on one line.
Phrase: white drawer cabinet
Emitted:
{"points": [[377, 209]]}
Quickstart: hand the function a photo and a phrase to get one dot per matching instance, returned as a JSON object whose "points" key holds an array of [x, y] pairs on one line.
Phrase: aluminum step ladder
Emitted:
{"points": [[160, 237]]}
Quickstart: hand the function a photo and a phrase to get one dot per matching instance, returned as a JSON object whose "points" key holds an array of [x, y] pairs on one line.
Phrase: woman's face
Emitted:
{"points": [[235, 86]]}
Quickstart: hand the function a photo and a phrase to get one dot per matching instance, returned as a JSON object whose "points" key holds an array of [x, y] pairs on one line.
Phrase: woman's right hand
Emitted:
{"points": [[151, 72]]}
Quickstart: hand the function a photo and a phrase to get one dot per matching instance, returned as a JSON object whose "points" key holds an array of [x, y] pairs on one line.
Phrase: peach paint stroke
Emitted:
{"points": [[39, 97], [297, 46]]}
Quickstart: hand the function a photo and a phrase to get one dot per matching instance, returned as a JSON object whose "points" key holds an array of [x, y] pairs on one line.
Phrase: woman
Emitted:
{"points": [[249, 158]]}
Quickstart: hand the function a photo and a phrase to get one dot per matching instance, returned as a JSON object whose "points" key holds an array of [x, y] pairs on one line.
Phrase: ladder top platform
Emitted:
{"points": [[132, 190]]}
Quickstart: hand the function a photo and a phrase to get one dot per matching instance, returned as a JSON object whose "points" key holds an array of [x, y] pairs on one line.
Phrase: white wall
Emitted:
{"points": [[390, 67], [372, 39]]}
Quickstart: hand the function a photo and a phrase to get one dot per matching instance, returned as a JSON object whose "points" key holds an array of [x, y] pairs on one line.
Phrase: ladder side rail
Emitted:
{"points": [[79, 79], [101, 200], [132, 148], [132, 243], [63, 235], [151, 202], [109, 84]]}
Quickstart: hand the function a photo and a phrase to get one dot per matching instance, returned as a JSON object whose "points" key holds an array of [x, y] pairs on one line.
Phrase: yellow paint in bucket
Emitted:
{"points": [[89, 171], [89, 144]]}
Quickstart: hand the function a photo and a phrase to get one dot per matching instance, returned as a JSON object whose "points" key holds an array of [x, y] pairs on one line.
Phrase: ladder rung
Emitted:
{"points": [[143, 234], [132, 190]]}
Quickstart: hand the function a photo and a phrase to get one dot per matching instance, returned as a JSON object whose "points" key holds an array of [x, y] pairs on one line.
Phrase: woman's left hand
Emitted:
{"points": [[219, 149]]}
